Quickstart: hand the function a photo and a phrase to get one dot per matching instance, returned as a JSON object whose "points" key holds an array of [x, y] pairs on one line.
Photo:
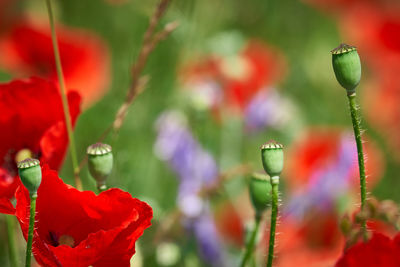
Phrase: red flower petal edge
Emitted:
{"points": [[6, 206], [379, 251], [75, 228], [27, 50], [32, 117]]}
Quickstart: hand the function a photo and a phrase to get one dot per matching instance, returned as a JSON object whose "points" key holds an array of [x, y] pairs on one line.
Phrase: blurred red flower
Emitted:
{"points": [[262, 66], [32, 118], [75, 228], [229, 223], [235, 80], [380, 250], [313, 242], [320, 147], [27, 50]]}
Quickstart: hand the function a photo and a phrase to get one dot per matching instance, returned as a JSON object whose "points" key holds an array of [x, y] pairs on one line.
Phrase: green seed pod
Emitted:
{"points": [[272, 158], [260, 192], [100, 161], [347, 66], [31, 174]]}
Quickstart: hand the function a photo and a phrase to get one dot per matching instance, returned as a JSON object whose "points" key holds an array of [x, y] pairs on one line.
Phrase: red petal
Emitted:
{"points": [[379, 251], [104, 227], [6, 207], [27, 50], [35, 122]]}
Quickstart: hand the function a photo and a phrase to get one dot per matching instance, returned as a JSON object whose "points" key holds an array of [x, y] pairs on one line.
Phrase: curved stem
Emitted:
{"points": [[64, 98], [357, 134], [12, 248], [274, 216], [250, 244], [30, 232]]}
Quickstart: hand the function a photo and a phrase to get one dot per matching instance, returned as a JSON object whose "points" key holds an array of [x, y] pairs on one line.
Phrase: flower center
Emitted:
{"points": [[66, 240], [23, 154], [56, 241]]}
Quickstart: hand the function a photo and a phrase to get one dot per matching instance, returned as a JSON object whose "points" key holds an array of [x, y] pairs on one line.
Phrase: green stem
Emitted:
{"points": [[274, 216], [30, 233], [64, 98], [253, 261], [250, 244], [357, 134], [12, 248]]}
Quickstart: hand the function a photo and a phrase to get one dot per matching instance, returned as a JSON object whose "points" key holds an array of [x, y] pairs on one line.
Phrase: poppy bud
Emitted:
{"points": [[260, 192], [347, 66], [272, 158], [31, 174], [100, 161]]}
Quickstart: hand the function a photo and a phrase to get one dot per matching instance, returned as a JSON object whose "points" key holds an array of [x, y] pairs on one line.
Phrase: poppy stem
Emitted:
{"points": [[357, 135], [64, 98], [30, 233], [274, 216], [250, 244], [12, 248]]}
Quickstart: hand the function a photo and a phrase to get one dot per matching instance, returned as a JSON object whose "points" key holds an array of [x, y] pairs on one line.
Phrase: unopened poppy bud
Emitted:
{"points": [[260, 192], [347, 66], [31, 174], [100, 161], [272, 158]]}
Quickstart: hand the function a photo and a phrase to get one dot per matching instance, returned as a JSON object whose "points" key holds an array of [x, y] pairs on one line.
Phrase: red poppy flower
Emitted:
{"points": [[27, 50], [32, 118], [6, 207], [262, 67], [320, 148], [235, 80], [229, 223], [314, 242], [379, 251], [75, 228]]}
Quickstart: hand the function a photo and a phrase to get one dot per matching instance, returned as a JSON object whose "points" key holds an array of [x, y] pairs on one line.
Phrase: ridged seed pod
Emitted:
{"points": [[347, 66], [31, 174], [260, 190], [272, 158], [100, 161]]}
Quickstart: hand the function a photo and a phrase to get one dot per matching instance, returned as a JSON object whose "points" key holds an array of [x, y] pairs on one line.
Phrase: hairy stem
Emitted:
{"points": [[357, 135], [12, 248], [274, 216], [64, 99], [251, 243], [30, 233]]}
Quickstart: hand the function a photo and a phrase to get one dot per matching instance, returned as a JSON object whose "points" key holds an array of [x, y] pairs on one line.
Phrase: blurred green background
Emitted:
{"points": [[303, 34]]}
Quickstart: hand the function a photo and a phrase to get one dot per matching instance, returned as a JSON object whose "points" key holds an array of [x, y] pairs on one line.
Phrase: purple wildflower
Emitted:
{"points": [[208, 243], [267, 109], [196, 168]]}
